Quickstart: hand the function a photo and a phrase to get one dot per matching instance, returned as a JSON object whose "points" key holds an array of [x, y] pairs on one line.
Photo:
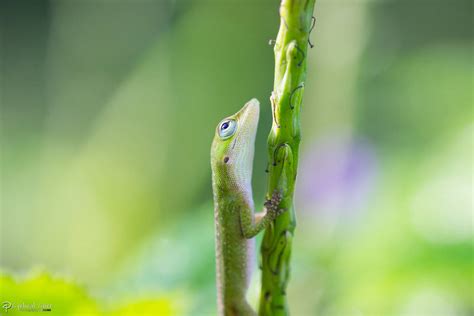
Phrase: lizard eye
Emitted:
{"points": [[227, 128]]}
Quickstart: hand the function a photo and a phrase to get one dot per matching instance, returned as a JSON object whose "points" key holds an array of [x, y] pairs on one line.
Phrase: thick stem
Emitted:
{"points": [[296, 17]]}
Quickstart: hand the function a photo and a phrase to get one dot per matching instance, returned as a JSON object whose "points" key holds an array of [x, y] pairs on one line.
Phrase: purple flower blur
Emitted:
{"points": [[336, 174]]}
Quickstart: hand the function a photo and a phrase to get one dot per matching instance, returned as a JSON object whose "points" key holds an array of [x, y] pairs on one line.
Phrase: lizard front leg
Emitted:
{"points": [[251, 224]]}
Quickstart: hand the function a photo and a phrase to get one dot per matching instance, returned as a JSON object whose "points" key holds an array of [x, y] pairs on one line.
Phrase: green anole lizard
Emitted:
{"points": [[231, 161]]}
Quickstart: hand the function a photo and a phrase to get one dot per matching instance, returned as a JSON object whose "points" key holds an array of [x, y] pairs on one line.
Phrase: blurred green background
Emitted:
{"points": [[108, 109]]}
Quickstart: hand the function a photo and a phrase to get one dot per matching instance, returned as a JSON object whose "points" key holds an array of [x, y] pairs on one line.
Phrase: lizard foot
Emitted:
{"points": [[273, 205]]}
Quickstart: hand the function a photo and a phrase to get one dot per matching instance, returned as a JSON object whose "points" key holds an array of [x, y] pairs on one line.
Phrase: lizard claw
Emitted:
{"points": [[273, 204]]}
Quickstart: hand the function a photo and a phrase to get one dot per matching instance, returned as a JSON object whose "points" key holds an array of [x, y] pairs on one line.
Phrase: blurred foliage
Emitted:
{"points": [[42, 291], [107, 112]]}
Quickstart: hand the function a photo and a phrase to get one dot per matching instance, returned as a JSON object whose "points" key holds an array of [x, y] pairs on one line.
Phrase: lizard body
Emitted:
{"points": [[232, 155]]}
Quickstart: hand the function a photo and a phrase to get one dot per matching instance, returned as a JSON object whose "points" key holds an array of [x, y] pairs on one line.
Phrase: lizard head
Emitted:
{"points": [[232, 150]]}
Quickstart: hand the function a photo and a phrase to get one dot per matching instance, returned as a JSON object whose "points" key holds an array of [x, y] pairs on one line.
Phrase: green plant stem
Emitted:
{"points": [[283, 145]]}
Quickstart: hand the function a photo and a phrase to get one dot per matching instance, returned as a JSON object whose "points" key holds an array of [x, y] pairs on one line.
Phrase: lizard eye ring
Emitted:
{"points": [[227, 128]]}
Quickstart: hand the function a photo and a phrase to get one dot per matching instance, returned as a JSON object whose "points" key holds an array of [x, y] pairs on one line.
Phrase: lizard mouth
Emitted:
{"points": [[250, 113]]}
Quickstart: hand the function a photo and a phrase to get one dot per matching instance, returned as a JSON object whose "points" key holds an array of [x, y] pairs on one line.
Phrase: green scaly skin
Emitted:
{"points": [[236, 223]]}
